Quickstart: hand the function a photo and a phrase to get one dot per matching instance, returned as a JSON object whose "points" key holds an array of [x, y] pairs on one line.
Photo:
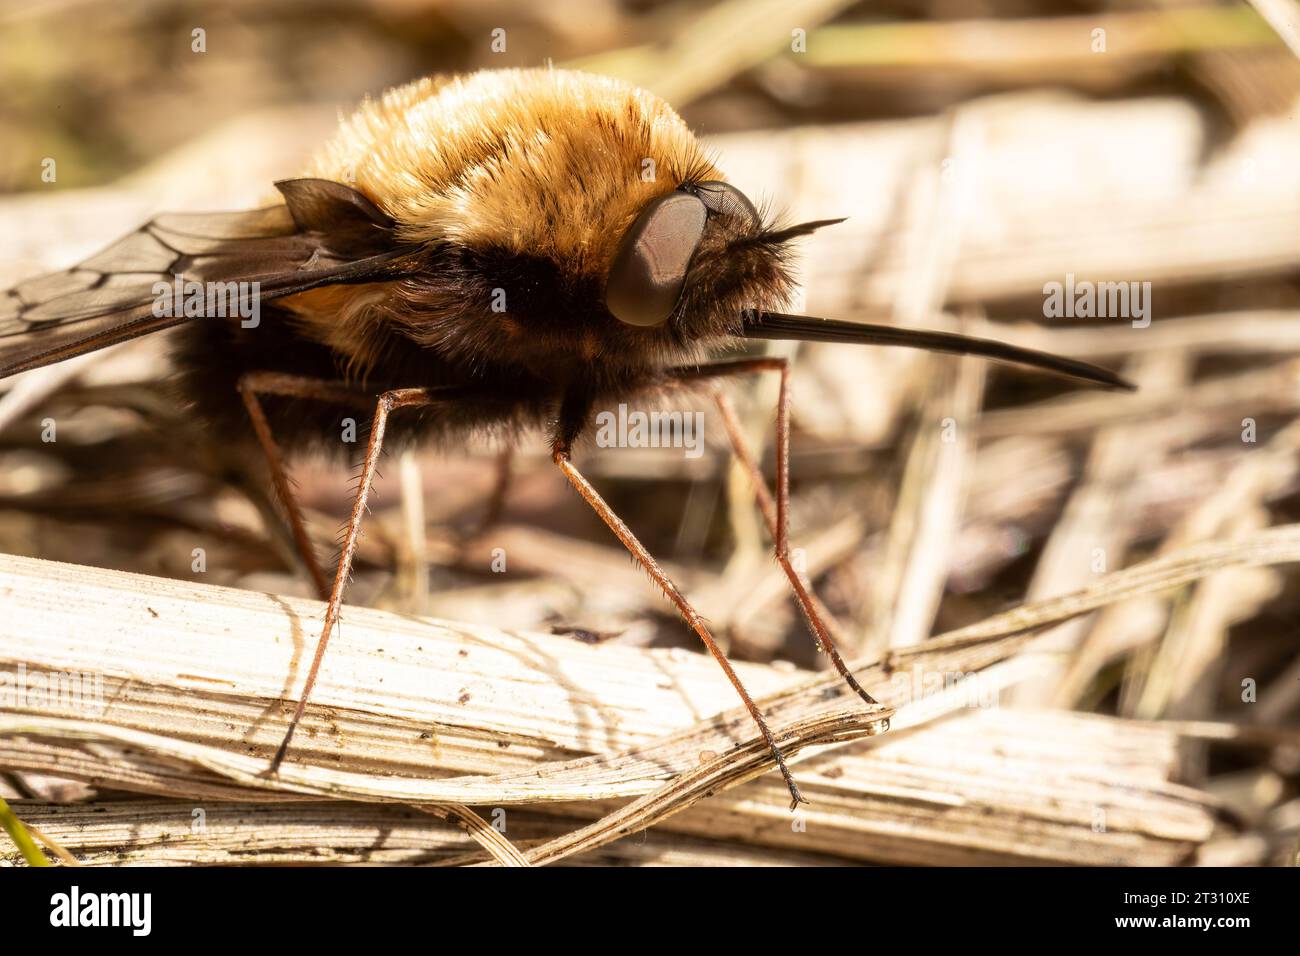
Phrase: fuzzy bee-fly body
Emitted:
{"points": [[497, 252]]}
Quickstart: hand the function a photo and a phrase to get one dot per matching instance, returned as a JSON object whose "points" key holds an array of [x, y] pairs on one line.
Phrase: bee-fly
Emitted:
{"points": [[506, 250]]}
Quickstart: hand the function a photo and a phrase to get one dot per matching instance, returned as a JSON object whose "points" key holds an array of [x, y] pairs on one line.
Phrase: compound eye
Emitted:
{"points": [[645, 282], [725, 198]]}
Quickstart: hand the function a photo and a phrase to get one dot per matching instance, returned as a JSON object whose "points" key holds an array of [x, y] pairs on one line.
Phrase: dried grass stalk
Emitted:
{"points": [[192, 678]]}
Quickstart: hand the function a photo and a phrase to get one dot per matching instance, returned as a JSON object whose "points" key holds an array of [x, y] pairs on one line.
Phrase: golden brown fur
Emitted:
{"points": [[524, 181], [544, 162]]}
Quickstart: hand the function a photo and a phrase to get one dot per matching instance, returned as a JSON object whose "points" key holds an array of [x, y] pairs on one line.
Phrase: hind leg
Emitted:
{"points": [[250, 387]]}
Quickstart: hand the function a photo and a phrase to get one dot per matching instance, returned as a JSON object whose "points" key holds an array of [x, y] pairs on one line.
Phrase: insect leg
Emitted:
{"points": [[274, 383], [561, 448], [820, 621], [497, 502], [387, 402]]}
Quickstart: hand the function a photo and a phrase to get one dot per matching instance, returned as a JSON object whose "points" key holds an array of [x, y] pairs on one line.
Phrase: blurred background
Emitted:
{"points": [[981, 151]]}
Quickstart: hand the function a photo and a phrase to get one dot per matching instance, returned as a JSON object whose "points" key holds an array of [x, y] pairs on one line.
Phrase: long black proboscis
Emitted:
{"points": [[809, 328]]}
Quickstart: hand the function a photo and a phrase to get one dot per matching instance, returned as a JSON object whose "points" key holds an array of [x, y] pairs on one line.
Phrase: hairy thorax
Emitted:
{"points": [[515, 188]]}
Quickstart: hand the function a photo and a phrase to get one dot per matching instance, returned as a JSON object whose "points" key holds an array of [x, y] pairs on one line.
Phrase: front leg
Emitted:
{"points": [[574, 413], [777, 518]]}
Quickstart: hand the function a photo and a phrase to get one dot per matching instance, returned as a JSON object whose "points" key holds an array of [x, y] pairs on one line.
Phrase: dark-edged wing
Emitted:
{"points": [[325, 234]]}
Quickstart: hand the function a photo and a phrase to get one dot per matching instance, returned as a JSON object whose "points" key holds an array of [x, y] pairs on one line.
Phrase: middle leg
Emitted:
{"points": [[386, 404]]}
